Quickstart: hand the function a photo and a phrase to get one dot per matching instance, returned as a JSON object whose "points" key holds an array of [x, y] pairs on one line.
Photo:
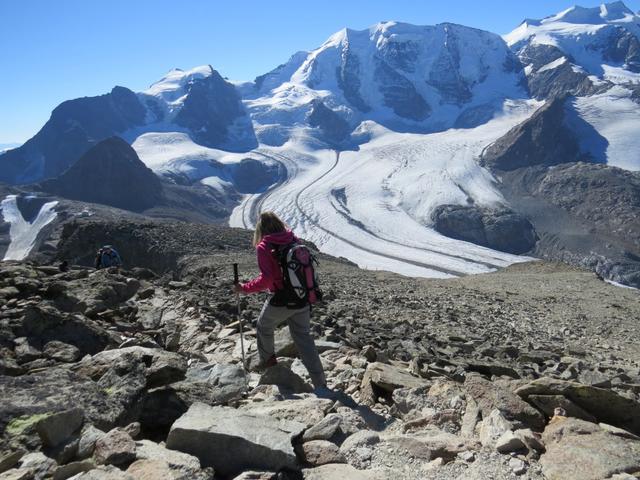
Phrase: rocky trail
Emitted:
{"points": [[532, 372]]}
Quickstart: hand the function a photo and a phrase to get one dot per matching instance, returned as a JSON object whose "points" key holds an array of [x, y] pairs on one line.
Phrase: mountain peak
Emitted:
{"points": [[109, 173], [176, 79], [577, 20], [606, 12]]}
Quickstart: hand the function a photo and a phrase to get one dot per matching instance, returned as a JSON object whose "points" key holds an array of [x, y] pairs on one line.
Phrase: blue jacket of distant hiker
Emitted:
{"points": [[108, 257]]}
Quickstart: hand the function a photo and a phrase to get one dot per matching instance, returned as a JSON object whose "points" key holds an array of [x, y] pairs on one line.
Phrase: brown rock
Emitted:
{"points": [[151, 470], [579, 450], [606, 405], [115, 448], [431, 446], [322, 452]]}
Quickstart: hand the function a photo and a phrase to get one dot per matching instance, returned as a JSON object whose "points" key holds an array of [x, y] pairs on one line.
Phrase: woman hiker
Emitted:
{"points": [[269, 234]]}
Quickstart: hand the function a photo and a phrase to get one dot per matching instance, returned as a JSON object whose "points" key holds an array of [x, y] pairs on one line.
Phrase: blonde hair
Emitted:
{"points": [[268, 223]]}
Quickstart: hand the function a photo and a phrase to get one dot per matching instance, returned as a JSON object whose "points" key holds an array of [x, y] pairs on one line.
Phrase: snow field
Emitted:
{"points": [[23, 234]]}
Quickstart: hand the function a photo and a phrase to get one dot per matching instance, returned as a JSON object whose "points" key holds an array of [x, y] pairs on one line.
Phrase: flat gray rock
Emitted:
{"points": [[233, 441], [343, 471], [58, 427]]}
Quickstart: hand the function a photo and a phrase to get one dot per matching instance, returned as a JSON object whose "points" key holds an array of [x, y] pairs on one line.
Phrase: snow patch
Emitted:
{"points": [[555, 64], [24, 234], [616, 117], [616, 284]]}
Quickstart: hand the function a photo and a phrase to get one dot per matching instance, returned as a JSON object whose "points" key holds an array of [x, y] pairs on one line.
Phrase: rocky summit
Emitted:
{"points": [[532, 372]]}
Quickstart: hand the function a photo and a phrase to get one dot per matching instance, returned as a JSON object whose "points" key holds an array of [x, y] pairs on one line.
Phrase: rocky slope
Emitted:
{"points": [[532, 372]]}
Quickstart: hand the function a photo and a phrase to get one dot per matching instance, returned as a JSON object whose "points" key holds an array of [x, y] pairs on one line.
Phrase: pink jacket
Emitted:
{"points": [[270, 277]]}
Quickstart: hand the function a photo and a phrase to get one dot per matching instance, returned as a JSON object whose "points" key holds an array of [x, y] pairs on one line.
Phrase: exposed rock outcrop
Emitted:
{"points": [[499, 229]]}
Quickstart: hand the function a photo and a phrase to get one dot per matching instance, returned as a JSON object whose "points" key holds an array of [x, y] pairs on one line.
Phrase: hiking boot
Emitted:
{"points": [[259, 367]]}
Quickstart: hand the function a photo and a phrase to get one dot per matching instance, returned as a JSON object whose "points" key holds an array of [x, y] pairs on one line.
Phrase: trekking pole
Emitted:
{"points": [[236, 281]]}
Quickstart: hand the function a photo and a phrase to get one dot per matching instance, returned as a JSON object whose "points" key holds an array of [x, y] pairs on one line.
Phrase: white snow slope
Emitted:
{"points": [[23, 234]]}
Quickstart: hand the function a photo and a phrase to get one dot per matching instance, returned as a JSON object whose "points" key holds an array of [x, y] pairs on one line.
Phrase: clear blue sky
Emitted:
{"points": [[54, 50]]}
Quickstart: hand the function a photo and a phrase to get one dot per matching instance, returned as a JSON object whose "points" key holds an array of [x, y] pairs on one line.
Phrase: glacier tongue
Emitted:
{"points": [[373, 206]]}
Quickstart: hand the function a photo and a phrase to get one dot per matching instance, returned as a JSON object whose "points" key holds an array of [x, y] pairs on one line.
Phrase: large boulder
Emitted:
{"points": [[153, 461], [29, 398], [43, 324], [115, 448], [56, 428], [490, 396], [606, 405], [322, 452], [430, 445], [148, 450], [579, 450], [232, 440], [307, 411], [161, 367]]}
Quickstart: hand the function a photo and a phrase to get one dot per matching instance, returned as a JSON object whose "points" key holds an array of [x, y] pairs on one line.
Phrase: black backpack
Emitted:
{"points": [[300, 282]]}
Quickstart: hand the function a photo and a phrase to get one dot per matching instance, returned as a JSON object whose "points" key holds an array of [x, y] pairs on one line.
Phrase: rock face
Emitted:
{"points": [[252, 176], [543, 139], [109, 173], [502, 230], [335, 129], [212, 105], [579, 450], [53, 149], [599, 207], [256, 441], [544, 83]]}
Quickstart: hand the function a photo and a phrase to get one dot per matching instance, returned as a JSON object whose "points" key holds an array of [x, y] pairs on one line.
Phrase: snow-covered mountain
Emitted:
{"points": [[405, 77], [594, 55], [430, 128]]}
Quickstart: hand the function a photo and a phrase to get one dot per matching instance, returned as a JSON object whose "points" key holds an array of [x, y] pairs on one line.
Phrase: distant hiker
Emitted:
{"points": [[293, 286], [64, 266], [107, 257]]}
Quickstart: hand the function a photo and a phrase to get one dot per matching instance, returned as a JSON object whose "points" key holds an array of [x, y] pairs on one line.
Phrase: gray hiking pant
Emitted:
{"points": [[299, 322]]}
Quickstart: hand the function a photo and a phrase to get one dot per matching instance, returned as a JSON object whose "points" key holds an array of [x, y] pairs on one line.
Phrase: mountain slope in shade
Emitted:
{"points": [[110, 173], [74, 127]]}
